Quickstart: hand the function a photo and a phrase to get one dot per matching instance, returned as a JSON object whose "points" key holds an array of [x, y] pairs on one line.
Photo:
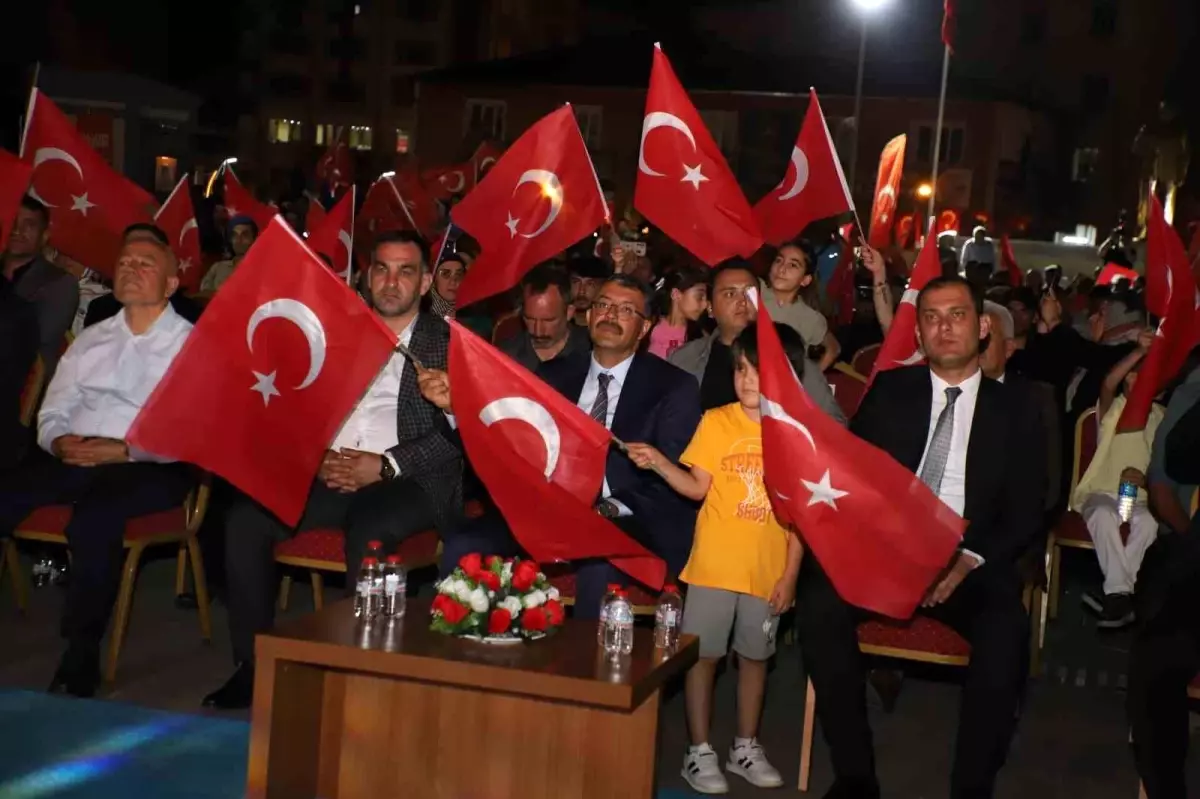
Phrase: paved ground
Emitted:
{"points": [[1071, 744]]}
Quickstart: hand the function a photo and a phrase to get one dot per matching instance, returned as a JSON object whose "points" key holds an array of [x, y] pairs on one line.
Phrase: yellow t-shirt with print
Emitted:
{"points": [[739, 544]]}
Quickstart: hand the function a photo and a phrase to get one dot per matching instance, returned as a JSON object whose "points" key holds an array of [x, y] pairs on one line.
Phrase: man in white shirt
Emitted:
{"points": [[100, 385], [393, 470], [978, 256], [975, 443]]}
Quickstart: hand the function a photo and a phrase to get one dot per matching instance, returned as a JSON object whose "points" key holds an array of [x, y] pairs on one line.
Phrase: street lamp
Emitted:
{"points": [[925, 191], [212, 179], [865, 9]]}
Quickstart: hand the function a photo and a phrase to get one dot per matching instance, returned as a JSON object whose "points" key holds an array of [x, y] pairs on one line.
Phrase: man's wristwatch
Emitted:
{"points": [[608, 509], [386, 472]]}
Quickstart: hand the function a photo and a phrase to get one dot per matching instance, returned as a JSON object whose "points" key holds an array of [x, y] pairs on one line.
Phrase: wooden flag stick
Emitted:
{"points": [[407, 353]]}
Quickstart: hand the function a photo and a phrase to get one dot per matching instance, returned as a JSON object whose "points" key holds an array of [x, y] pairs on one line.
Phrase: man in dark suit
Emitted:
{"points": [[18, 351], [393, 470], [966, 438], [639, 398]]}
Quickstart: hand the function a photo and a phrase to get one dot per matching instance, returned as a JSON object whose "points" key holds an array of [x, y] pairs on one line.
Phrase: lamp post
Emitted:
{"points": [[865, 9]]}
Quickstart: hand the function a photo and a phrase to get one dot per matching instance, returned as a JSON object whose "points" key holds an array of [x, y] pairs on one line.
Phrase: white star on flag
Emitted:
{"points": [[81, 203], [694, 176], [823, 492], [266, 387], [185, 264], [511, 224]]}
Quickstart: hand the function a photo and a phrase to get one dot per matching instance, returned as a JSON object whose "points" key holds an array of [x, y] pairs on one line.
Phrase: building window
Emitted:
{"points": [[325, 135], [1033, 26], [403, 93], [1094, 92], [486, 118], [347, 48], [1104, 17], [402, 140], [289, 42], [416, 52], [360, 137], [723, 127], [1084, 163], [164, 173], [951, 152], [417, 10], [591, 124], [343, 90], [283, 131], [290, 85]]}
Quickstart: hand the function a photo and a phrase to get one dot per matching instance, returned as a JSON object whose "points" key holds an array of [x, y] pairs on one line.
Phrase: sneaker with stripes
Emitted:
{"points": [[748, 761], [702, 770]]}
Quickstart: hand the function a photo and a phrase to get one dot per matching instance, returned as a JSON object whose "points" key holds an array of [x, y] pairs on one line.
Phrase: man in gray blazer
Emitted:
{"points": [[53, 292], [708, 359]]}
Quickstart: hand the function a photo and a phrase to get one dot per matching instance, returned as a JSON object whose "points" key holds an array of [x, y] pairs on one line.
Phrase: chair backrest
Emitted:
{"points": [[32, 391], [848, 387], [507, 327], [1087, 434], [864, 360]]}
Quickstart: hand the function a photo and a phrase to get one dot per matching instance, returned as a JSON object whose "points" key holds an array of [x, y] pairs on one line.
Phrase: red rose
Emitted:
{"points": [[488, 580], [554, 610], [494, 561], [534, 619], [439, 603], [499, 621], [524, 575], [454, 612], [471, 564]]}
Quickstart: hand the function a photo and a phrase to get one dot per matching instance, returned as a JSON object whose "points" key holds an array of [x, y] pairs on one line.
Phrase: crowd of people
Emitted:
{"points": [[664, 354]]}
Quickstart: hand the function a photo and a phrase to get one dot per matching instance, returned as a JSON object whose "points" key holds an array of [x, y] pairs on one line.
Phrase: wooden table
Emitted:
{"points": [[343, 711]]}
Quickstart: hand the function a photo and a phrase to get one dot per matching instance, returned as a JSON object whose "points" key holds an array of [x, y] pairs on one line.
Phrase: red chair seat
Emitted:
{"points": [[328, 546], [562, 577], [53, 519], [923, 635], [1071, 527]]}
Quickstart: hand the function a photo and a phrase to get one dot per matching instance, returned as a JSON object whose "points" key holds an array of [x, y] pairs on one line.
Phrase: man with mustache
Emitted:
{"points": [[546, 312], [393, 470]]}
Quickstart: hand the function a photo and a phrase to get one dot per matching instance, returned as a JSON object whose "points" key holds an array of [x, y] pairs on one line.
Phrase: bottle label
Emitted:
{"points": [[390, 584], [364, 587]]}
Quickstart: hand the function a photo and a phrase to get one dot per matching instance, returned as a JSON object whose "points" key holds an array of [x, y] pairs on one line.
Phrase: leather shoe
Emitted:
{"points": [[78, 673], [237, 692]]}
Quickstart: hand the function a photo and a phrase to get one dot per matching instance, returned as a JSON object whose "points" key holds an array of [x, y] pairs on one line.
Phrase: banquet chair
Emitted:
{"points": [[1070, 530], [176, 526], [562, 577], [863, 361], [848, 387], [507, 326]]}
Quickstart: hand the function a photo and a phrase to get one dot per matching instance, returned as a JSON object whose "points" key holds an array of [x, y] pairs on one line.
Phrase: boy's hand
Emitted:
{"points": [[783, 595], [1132, 475], [645, 456]]}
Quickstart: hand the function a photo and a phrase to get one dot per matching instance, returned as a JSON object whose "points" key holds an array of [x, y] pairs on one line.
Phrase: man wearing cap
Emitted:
{"points": [[242, 233]]}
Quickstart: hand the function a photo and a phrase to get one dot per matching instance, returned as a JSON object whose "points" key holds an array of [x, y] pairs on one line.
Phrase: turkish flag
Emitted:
{"points": [[899, 346], [485, 155], [443, 182], [177, 218], [417, 206], [541, 197], [887, 192], [381, 211], [14, 180], [814, 186], [1156, 300], [905, 227], [316, 213], [90, 203], [949, 23], [240, 202], [336, 167], [684, 185], [268, 375], [1010, 261], [334, 236], [1172, 296], [841, 285], [541, 458], [879, 533]]}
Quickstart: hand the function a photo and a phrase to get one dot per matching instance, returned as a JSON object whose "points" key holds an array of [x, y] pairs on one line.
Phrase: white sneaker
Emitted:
{"points": [[749, 762], [702, 771]]}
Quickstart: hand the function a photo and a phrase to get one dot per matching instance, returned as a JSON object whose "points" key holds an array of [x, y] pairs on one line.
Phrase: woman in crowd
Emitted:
{"points": [[682, 299], [790, 296]]}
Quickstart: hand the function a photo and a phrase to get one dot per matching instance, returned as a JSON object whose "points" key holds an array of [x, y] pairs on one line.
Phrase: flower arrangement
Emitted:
{"points": [[498, 599]]}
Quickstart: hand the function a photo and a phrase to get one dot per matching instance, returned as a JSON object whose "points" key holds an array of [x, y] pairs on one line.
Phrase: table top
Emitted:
{"points": [[568, 665]]}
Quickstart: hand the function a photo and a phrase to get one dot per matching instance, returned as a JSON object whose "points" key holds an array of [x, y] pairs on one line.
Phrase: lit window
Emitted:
{"points": [[325, 134], [164, 173], [402, 140], [1084, 163], [281, 131], [360, 137]]}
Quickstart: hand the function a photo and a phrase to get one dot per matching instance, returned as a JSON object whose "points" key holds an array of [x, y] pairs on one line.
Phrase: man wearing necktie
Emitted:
{"points": [[639, 397], [976, 444]]}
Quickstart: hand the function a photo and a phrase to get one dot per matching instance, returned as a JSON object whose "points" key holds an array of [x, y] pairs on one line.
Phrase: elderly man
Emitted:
{"points": [[53, 292], [101, 384], [545, 310], [393, 470], [708, 359]]}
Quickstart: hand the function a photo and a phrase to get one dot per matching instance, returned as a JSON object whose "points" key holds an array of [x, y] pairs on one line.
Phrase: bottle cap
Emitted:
{"points": [[614, 586], [394, 560], [370, 561], [374, 545], [671, 587]]}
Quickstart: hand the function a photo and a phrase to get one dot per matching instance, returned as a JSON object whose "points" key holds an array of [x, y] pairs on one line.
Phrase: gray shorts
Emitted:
{"points": [[713, 613]]}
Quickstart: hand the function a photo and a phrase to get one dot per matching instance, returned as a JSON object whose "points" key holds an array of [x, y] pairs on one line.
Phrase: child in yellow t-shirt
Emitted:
{"points": [[742, 571]]}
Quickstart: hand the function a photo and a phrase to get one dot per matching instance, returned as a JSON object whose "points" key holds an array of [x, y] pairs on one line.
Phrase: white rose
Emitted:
{"points": [[534, 599], [462, 591], [506, 572], [446, 586], [552, 593], [478, 599], [512, 604]]}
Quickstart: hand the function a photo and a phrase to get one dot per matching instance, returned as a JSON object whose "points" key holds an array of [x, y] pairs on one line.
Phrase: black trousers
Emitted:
{"points": [[986, 609], [1163, 659], [388, 511], [103, 498], [489, 535]]}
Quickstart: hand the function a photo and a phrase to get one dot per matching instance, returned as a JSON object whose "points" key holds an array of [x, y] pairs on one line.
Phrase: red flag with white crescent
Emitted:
{"points": [[900, 346], [240, 202], [887, 192], [177, 218], [334, 236]]}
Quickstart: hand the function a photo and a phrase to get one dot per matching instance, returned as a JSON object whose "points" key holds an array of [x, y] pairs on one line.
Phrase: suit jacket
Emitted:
{"points": [[1006, 467], [429, 452], [54, 293], [18, 350], [1041, 401], [659, 405]]}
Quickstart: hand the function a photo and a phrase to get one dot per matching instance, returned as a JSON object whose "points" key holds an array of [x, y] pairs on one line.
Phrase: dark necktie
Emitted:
{"points": [[600, 406], [939, 446]]}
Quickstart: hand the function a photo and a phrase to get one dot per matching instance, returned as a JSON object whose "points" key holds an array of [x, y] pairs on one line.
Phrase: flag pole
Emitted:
{"points": [[937, 137]]}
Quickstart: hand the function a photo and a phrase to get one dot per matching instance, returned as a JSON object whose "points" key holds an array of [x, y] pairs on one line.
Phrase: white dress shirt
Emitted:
{"points": [[106, 376], [983, 252], [587, 398], [953, 490], [371, 426]]}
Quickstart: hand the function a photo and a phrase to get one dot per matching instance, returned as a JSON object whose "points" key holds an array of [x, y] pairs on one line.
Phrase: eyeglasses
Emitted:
{"points": [[623, 311]]}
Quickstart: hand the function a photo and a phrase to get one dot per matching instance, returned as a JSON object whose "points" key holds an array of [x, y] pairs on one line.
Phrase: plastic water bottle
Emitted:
{"points": [[667, 617], [368, 591], [1126, 496], [395, 587], [618, 628], [374, 550], [609, 596]]}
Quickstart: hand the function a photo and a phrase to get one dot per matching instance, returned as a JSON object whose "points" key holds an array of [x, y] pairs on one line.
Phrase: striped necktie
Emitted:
{"points": [[600, 406], [939, 446]]}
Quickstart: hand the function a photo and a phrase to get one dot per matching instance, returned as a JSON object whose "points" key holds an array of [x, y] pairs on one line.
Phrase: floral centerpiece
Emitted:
{"points": [[496, 600]]}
